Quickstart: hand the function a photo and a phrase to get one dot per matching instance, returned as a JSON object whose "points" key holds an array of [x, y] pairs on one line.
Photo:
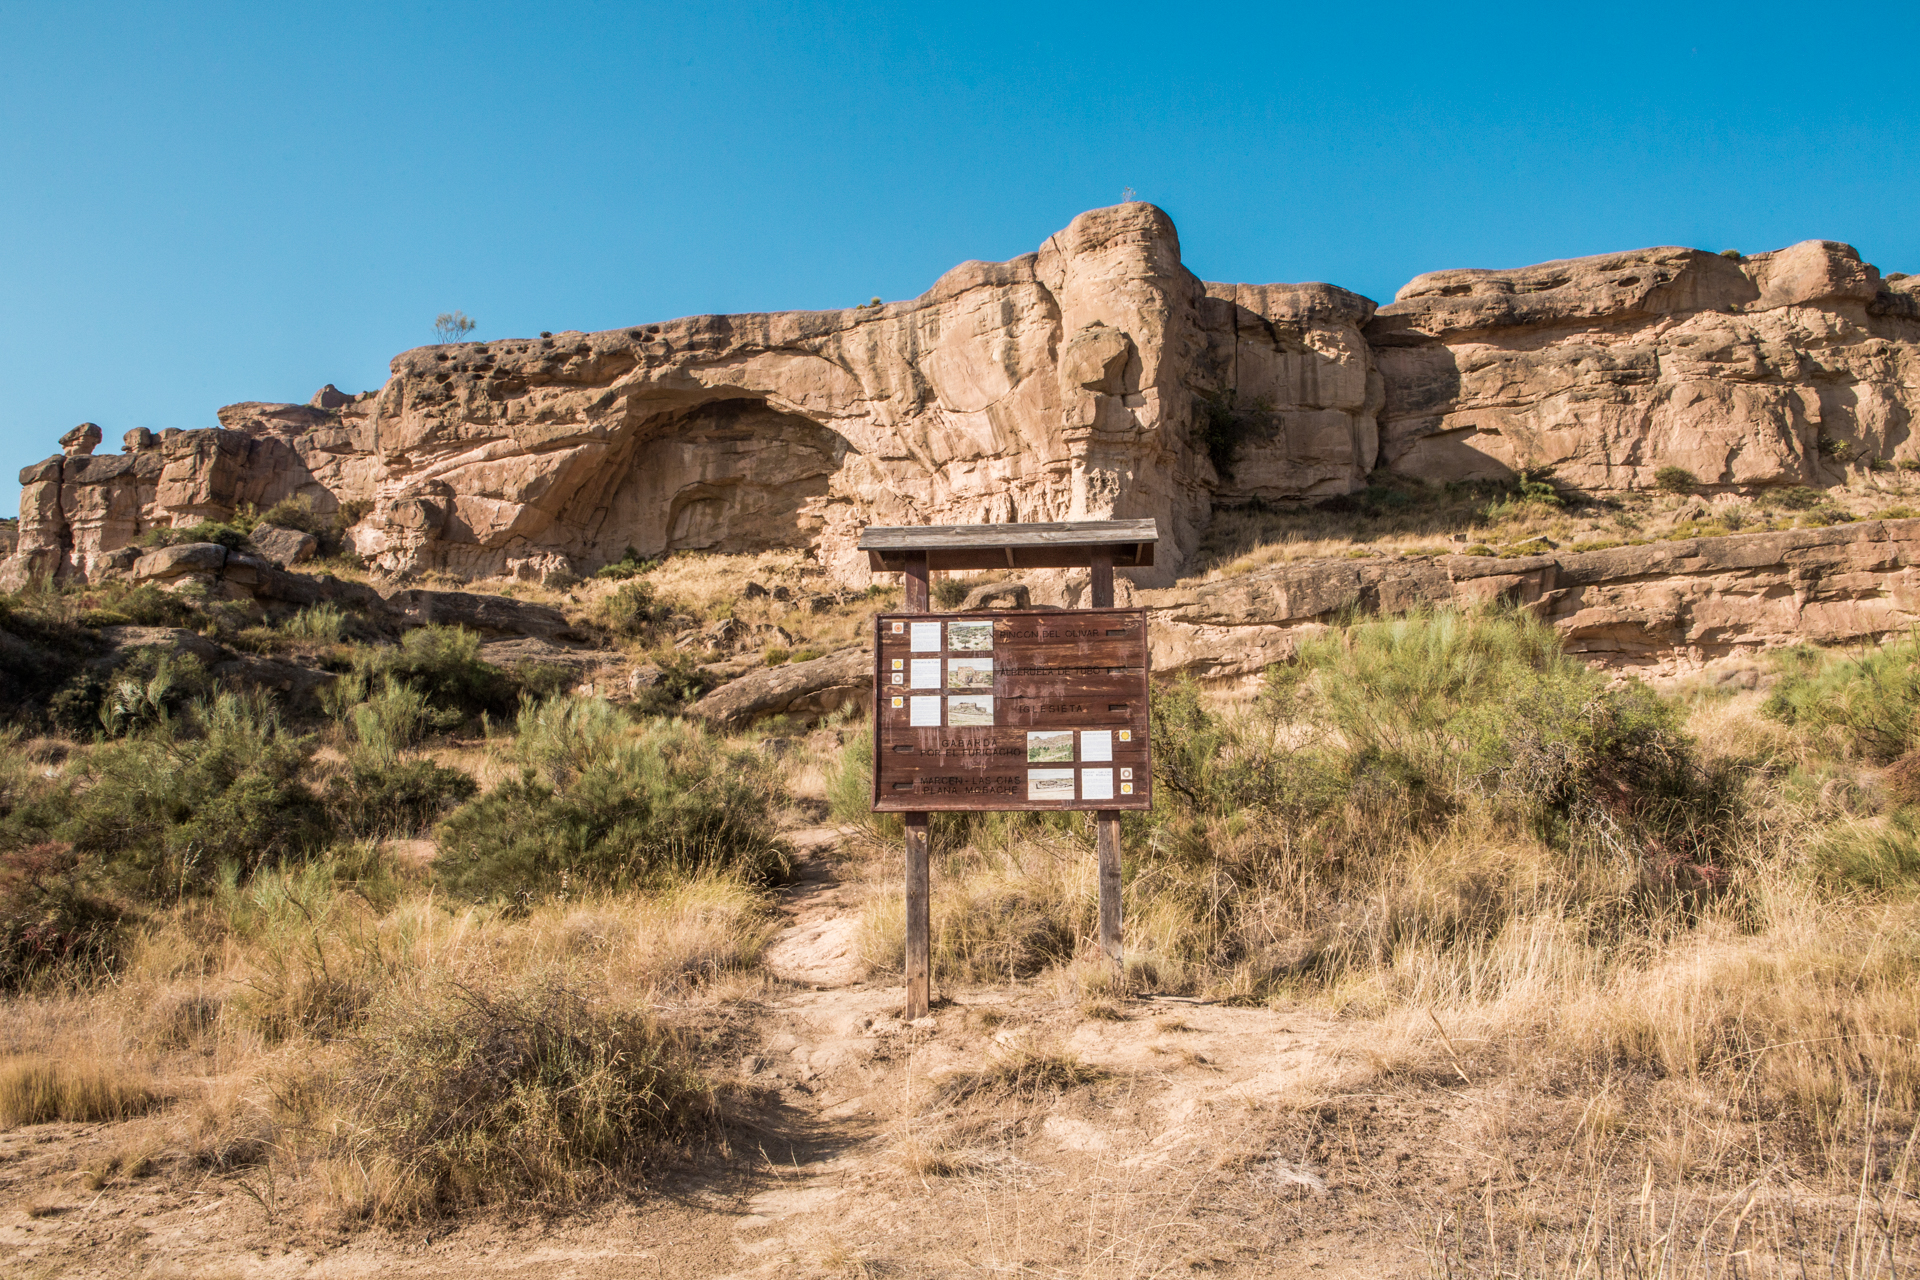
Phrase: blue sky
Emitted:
{"points": [[206, 203]]}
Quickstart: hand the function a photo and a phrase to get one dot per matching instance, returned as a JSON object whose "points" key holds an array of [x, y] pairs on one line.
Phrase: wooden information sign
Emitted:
{"points": [[1011, 709], [1016, 709]]}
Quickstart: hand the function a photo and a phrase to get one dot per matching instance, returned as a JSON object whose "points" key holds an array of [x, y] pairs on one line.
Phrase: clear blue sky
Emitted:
{"points": [[207, 203]]}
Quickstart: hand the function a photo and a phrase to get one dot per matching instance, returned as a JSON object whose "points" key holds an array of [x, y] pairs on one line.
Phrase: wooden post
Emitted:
{"points": [[919, 876], [1106, 822]]}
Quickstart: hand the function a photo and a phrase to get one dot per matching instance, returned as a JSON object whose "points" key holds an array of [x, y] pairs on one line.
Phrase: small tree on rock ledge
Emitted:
{"points": [[452, 326]]}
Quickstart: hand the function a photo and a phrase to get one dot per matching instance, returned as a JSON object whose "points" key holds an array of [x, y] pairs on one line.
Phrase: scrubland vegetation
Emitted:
{"points": [[1530, 515], [448, 936]]}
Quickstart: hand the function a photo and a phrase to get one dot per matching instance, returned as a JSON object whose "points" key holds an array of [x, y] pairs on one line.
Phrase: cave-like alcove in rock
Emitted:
{"points": [[730, 476]]}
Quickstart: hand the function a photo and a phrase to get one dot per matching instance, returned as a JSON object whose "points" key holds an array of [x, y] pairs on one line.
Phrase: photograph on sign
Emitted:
{"points": [[1096, 784], [972, 710], [926, 637], [1096, 744], [1050, 746], [969, 637], [924, 713], [926, 673], [1049, 784], [969, 673]]}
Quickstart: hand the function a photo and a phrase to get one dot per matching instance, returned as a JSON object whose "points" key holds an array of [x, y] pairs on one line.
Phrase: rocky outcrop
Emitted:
{"points": [[1062, 385], [1095, 377], [1781, 368], [1662, 607]]}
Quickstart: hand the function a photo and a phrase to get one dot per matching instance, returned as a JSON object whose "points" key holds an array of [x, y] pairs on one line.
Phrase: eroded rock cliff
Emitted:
{"points": [[1095, 377], [1781, 368]]}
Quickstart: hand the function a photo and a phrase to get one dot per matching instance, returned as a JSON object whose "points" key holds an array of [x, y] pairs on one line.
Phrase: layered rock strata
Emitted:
{"points": [[1792, 367], [1659, 608], [1096, 377]]}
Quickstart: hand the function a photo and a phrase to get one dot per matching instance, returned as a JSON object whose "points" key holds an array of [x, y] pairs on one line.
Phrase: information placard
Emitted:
{"points": [[1011, 709]]}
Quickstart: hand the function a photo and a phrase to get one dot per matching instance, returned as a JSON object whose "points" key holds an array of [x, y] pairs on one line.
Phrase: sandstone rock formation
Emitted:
{"points": [[1665, 606], [1782, 367], [1095, 377]]}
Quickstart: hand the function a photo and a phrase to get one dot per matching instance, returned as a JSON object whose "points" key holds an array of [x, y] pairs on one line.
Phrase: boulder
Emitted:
{"points": [[283, 546], [176, 561], [82, 440], [488, 615], [997, 595], [807, 688]]}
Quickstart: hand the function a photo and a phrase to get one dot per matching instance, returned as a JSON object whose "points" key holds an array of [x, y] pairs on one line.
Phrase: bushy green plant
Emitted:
{"points": [[633, 610], [158, 814], [400, 798], [1863, 706], [598, 809], [143, 606], [1796, 497], [316, 624], [630, 565], [1675, 480], [230, 533], [149, 686], [445, 665], [51, 916], [298, 513], [1875, 855]]}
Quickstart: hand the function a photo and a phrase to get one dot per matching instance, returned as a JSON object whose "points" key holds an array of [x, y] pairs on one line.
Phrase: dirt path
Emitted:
{"points": [[881, 1152]]}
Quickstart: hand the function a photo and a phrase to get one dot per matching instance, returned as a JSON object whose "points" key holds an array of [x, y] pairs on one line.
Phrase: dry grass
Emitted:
{"points": [[38, 1090], [1409, 519]]}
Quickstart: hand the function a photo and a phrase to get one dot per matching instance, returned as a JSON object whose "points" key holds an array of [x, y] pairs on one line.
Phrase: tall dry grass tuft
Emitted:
{"points": [[36, 1090]]}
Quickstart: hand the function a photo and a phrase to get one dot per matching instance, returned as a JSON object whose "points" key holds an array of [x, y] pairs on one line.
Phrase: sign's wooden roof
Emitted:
{"points": [[1066, 545]]}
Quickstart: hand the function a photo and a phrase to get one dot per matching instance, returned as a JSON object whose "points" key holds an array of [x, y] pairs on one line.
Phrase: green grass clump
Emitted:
{"points": [[1863, 707], [605, 806]]}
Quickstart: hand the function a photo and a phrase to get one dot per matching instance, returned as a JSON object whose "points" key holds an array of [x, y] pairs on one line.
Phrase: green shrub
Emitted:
{"points": [[599, 808], [445, 665], [1864, 706], [150, 685], [230, 533], [51, 917], [159, 814], [402, 798], [298, 513], [1874, 855], [633, 610], [1400, 724], [630, 565], [316, 624], [1675, 480], [1796, 497]]}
